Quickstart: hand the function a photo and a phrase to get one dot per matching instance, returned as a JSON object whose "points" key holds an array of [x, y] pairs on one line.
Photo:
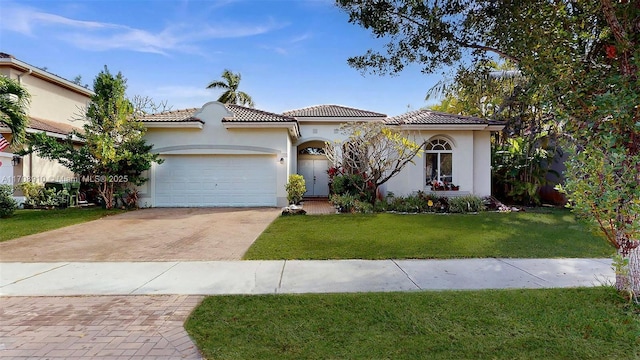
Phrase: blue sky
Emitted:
{"points": [[291, 53]]}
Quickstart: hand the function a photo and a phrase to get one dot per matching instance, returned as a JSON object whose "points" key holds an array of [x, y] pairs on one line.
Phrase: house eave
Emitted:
{"points": [[495, 127], [449, 127], [6, 130], [337, 120], [55, 135], [174, 124], [293, 128], [45, 75]]}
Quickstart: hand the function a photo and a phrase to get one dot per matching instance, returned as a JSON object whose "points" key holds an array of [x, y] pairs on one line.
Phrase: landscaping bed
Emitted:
{"points": [[545, 233]]}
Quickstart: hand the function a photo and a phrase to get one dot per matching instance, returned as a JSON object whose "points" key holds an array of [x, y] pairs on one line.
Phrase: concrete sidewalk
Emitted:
{"points": [[296, 276]]}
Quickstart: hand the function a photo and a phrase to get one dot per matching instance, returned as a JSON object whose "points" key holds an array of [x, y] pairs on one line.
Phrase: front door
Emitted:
{"points": [[315, 176]]}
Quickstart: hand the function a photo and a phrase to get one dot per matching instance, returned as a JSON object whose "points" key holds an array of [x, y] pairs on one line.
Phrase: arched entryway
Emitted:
{"points": [[313, 166]]}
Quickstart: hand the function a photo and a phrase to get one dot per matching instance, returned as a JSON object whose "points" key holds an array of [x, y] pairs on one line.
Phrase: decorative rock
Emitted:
{"points": [[293, 210]]}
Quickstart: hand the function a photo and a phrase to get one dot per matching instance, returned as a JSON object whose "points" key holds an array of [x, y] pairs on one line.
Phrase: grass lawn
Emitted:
{"points": [[547, 233], [585, 323], [27, 222]]}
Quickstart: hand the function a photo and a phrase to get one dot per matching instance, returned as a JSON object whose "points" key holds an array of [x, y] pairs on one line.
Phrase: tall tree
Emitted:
{"points": [[230, 83], [113, 153], [14, 100], [581, 58]]}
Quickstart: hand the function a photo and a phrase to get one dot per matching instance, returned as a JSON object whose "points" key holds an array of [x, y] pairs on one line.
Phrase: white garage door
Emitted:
{"points": [[215, 180]]}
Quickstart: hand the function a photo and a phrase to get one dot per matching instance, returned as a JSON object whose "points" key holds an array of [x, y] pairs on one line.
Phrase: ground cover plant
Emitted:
{"points": [[27, 222], [546, 233], [584, 323]]}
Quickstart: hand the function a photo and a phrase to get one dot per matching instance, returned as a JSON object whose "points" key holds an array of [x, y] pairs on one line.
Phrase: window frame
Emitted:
{"points": [[438, 147]]}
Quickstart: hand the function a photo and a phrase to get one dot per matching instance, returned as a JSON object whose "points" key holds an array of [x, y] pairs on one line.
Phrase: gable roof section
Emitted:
{"points": [[246, 114], [242, 117], [250, 117], [184, 118], [51, 126], [333, 111], [184, 115], [434, 119]]}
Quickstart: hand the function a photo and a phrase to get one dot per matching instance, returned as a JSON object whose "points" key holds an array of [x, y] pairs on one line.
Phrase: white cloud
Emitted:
{"points": [[276, 49], [101, 36], [288, 45], [300, 38]]}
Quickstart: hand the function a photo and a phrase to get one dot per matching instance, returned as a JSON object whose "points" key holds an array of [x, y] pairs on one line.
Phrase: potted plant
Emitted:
{"points": [[437, 185]]}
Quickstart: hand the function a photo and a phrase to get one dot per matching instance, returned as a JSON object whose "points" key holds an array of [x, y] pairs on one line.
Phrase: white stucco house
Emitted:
{"points": [[54, 107], [230, 155]]}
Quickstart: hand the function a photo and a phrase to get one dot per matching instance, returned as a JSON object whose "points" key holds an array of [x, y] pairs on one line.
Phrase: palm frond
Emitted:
{"points": [[14, 100], [228, 97], [217, 84], [244, 99]]}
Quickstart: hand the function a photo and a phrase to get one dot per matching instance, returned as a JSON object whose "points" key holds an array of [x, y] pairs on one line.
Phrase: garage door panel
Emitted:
{"points": [[215, 180]]}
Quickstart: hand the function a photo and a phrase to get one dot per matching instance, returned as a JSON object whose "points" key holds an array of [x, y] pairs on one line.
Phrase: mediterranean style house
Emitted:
{"points": [[55, 105], [230, 155]]}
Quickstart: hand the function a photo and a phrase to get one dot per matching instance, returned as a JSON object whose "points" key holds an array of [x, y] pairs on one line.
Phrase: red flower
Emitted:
{"points": [[611, 51]]}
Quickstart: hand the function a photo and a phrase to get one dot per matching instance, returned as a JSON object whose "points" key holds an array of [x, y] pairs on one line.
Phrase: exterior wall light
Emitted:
{"points": [[281, 160], [15, 161]]}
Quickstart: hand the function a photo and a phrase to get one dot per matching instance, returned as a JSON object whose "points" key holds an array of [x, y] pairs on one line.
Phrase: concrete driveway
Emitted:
{"points": [[147, 235]]}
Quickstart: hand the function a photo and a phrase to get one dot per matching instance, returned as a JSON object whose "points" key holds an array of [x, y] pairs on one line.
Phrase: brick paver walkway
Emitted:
{"points": [[97, 327], [318, 207]]}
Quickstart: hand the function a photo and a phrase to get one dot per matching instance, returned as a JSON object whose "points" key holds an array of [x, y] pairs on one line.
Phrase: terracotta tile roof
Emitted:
{"points": [[332, 111], [429, 117], [245, 114], [51, 126], [183, 115]]}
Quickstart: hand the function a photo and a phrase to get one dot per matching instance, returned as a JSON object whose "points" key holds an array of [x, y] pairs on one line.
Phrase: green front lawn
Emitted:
{"points": [[27, 222], [592, 323], [547, 233]]}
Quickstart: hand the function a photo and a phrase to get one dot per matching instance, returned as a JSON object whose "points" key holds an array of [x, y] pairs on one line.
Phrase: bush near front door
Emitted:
{"points": [[295, 188]]}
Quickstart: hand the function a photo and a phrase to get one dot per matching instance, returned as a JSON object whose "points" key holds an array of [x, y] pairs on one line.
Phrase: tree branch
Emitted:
{"points": [[620, 35], [462, 43]]}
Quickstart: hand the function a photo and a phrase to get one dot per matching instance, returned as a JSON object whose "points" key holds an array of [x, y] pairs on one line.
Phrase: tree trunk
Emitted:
{"points": [[629, 278]]}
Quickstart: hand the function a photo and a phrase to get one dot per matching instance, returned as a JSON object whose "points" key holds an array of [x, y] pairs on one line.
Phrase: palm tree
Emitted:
{"points": [[14, 100], [230, 83]]}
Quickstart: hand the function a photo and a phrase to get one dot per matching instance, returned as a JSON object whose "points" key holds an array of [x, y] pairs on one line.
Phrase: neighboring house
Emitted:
{"points": [[55, 107], [230, 155]]}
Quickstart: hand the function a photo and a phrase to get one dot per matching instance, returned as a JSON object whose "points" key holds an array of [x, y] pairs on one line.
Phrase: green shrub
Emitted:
{"points": [[30, 190], [296, 188], [419, 202], [36, 195], [362, 207], [381, 206], [347, 184], [344, 203], [466, 204], [7, 204]]}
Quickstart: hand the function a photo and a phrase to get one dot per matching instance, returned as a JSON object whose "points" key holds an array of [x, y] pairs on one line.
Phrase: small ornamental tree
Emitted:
{"points": [[374, 151], [111, 152]]}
